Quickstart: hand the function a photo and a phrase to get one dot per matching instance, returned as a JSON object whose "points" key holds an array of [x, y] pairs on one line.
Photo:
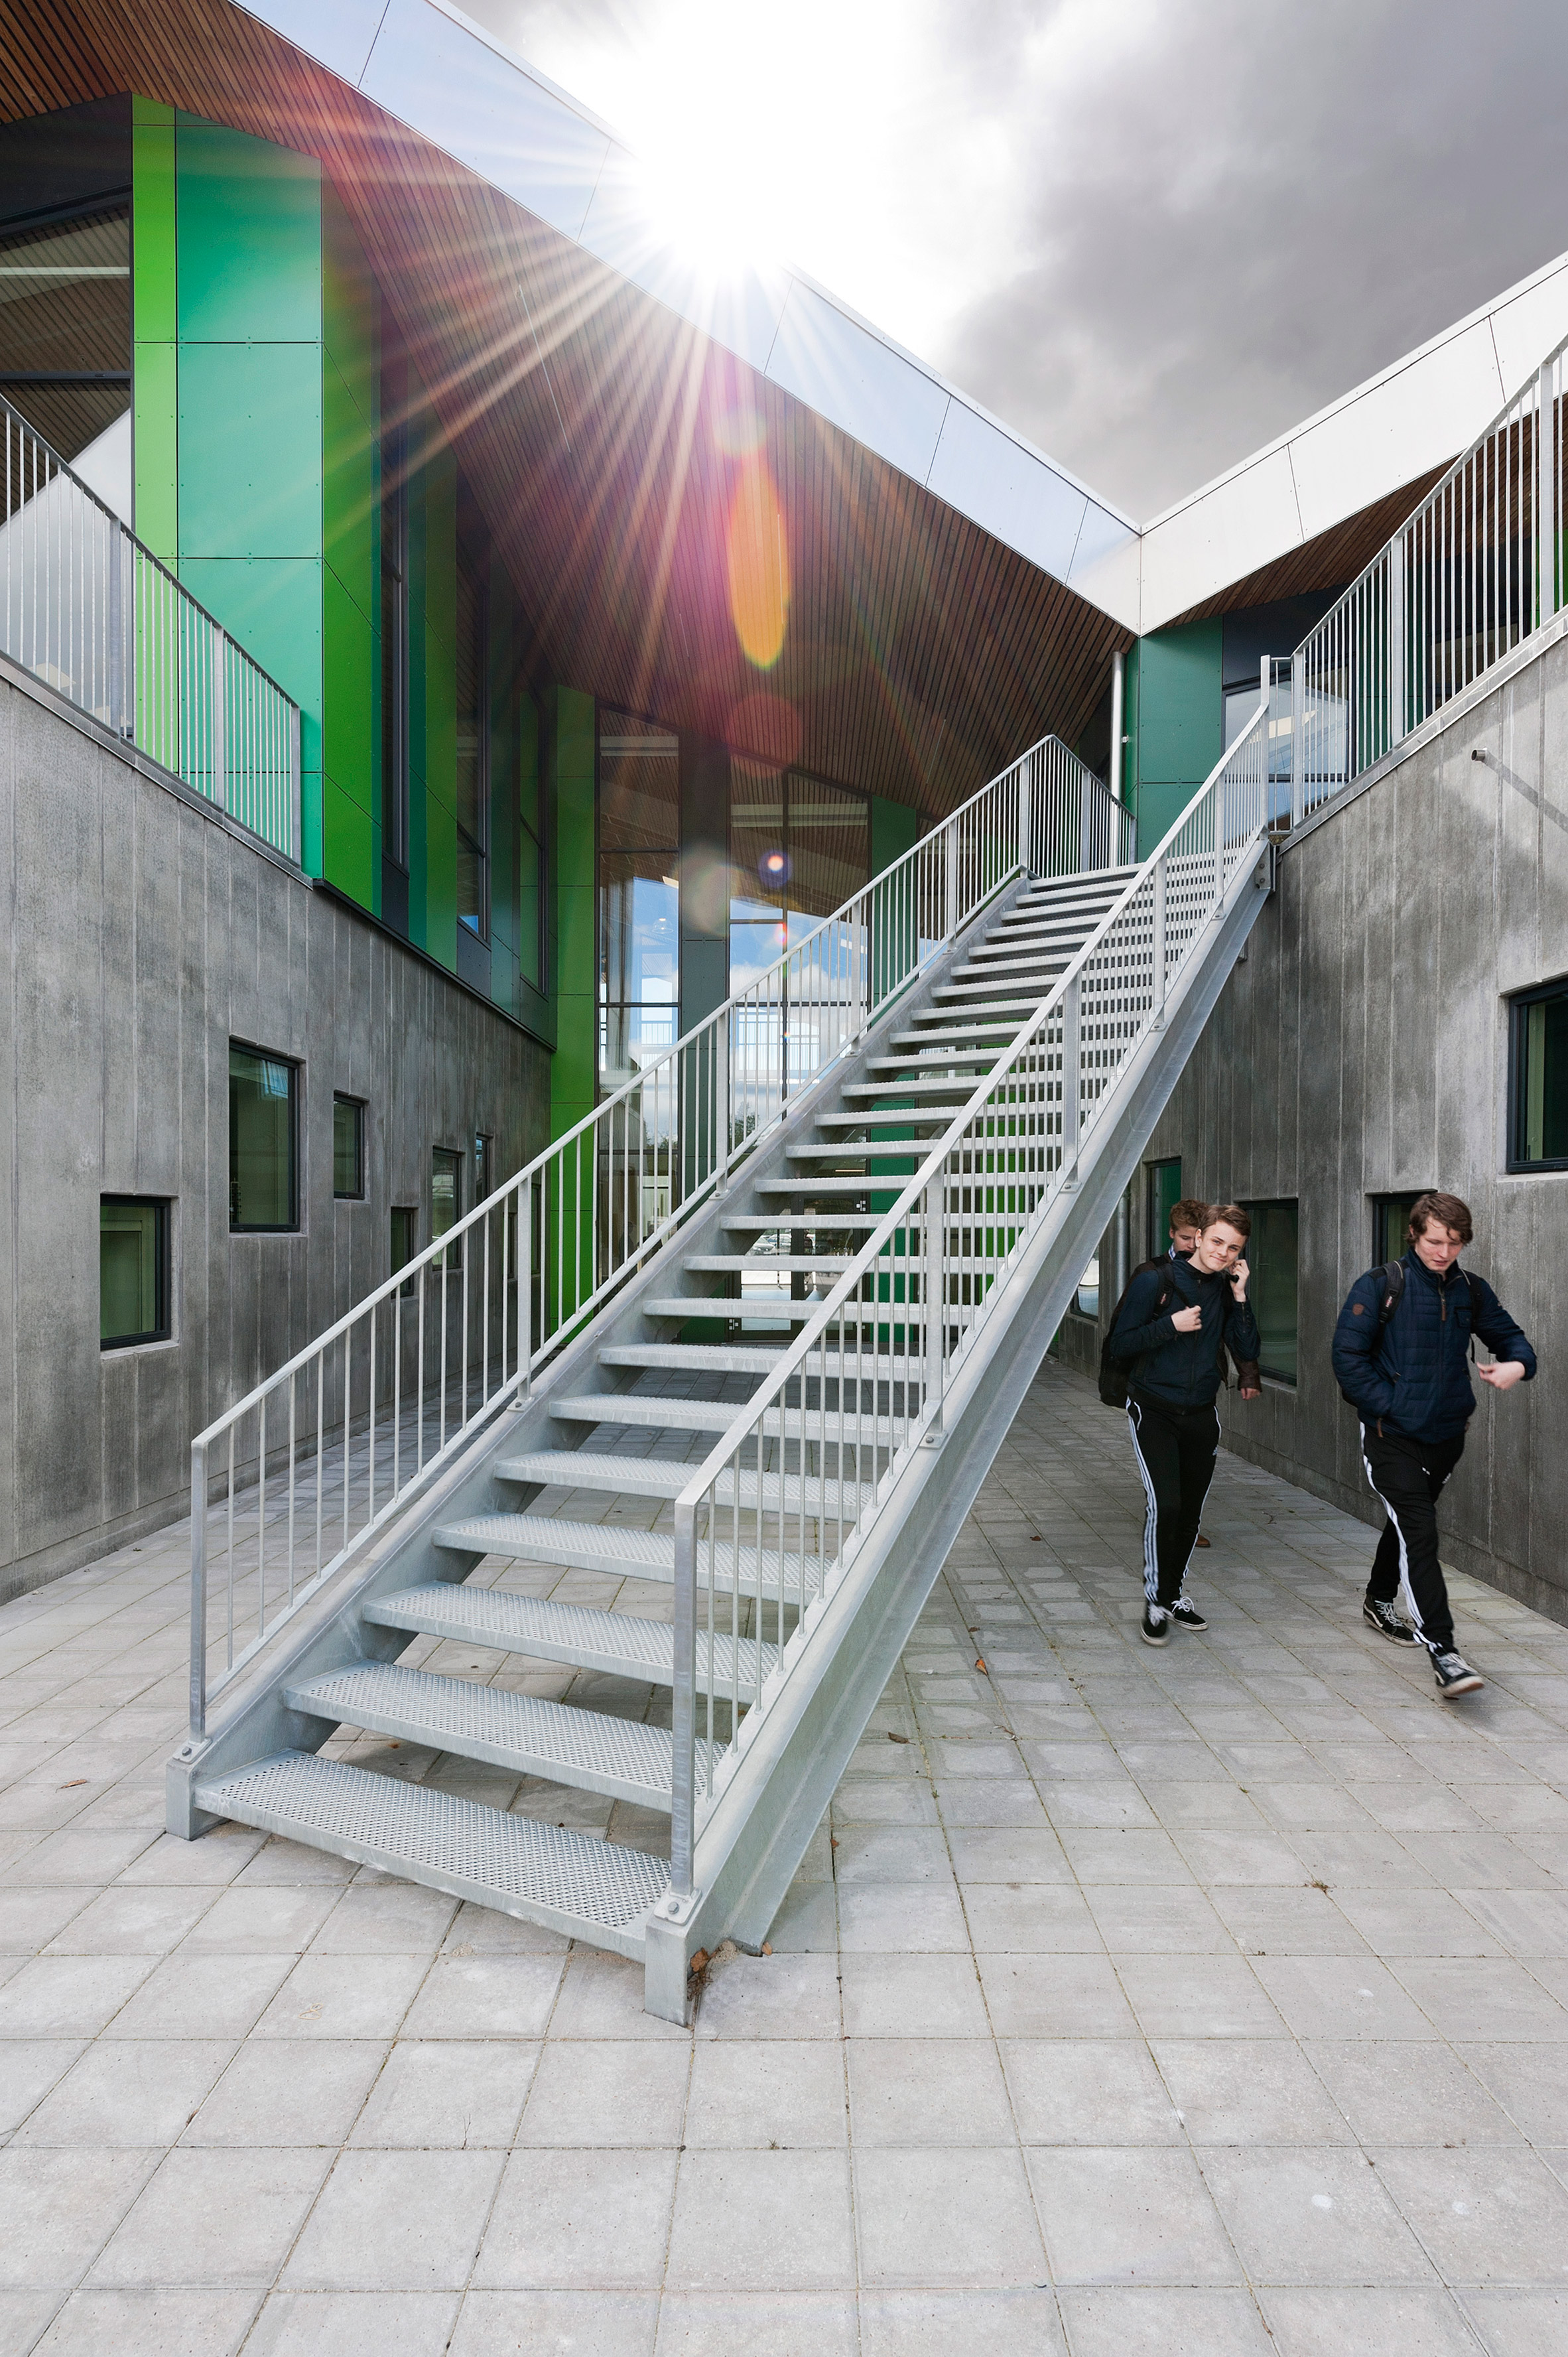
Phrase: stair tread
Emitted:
{"points": [[682, 1415], [441, 1838], [734, 1307], [647, 1477], [631, 1555], [618, 1643], [513, 1731]]}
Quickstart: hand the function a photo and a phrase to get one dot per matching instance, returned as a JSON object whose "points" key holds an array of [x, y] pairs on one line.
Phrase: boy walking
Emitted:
{"points": [[1179, 1356], [1399, 1351]]}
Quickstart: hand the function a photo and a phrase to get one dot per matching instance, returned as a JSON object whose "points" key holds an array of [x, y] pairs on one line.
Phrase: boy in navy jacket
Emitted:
{"points": [[1407, 1379], [1170, 1403]]}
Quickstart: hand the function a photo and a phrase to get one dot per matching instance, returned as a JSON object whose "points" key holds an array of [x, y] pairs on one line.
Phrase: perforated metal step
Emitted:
{"points": [[612, 1642], [597, 1890], [626, 1555], [589, 1749], [656, 1476], [644, 1413]]}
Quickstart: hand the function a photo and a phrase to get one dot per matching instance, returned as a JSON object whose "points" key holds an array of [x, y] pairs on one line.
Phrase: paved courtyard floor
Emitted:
{"points": [[1212, 2001]]}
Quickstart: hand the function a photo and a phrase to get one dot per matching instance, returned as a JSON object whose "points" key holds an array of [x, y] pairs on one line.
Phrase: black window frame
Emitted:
{"points": [[452, 1256], [409, 1212], [1158, 1233], [361, 1193], [1519, 1007], [1380, 1207], [1253, 1205], [163, 1207], [293, 1225]]}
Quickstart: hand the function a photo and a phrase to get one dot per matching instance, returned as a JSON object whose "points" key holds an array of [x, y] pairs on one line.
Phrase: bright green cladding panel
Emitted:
{"points": [[250, 450], [350, 845], [349, 490], [349, 698], [569, 743], [1176, 720], [349, 327], [350, 523], [433, 630], [249, 239], [153, 295]]}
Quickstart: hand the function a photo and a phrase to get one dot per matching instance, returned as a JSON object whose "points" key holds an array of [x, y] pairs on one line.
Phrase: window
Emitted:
{"points": [[1165, 1194], [473, 677], [640, 899], [484, 1166], [264, 1131], [1391, 1225], [65, 288], [347, 1149], [1272, 1257], [394, 603], [132, 1272], [1539, 1128], [798, 850], [405, 1244], [446, 1203], [1086, 1300]]}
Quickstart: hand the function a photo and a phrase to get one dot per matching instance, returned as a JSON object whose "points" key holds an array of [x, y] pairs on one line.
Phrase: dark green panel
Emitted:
{"points": [[250, 450], [895, 829], [570, 767], [1176, 720], [249, 239], [350, 845], [436, 591]]}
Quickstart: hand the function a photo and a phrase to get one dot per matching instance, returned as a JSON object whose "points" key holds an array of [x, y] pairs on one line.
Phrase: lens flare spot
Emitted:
{"points": [[758, 565]]}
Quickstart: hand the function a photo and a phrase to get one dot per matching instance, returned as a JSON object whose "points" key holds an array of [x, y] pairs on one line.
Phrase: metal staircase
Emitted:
{"points": [[741, 1351]]}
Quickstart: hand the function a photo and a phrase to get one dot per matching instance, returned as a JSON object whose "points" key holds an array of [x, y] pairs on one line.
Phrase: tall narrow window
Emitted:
{"points": [[1273, 1258], [640, 901], [473, 747], [446, 1203], [405, 1243], [347, 1149], [1539, 1021], [798, 850], [484, 1166], [133, 1271], [263, 1137], [394, 609], [1165, 1194]]}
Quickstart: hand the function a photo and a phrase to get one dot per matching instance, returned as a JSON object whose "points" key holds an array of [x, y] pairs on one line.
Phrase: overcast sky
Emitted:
{"points": [[1150, 235]]}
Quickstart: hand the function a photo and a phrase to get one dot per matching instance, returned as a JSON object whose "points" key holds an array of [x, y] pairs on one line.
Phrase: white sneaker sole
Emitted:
{"points": [[1164, 1638], [1472, 1684]]}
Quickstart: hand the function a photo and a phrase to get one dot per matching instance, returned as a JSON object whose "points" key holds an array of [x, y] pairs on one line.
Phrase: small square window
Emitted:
{"points": [[1538, 1021], [405, 1244], [446, 1203], [263, 1142], [133, 1271], [348, 1149]]}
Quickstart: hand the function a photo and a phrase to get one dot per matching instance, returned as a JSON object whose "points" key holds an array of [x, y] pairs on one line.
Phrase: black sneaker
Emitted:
{"points": [[1187, 1615], [1455, 1676], [1386, 1621], [1156, 1628]]}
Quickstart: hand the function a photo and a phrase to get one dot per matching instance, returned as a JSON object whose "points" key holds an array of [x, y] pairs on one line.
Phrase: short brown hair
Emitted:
{"points": [[1230, 1215], [1447, 1210], [1188, 1213]]}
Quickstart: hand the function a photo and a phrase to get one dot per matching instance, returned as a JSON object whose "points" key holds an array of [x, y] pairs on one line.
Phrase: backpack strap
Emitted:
{"points": [[1390, 1290]]}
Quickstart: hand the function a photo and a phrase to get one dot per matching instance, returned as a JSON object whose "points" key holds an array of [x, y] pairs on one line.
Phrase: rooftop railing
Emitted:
{"points": [[316, 1459], [92, 614], [1473, 573]]}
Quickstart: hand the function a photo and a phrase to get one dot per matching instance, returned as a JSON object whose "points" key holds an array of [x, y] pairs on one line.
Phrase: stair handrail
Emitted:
{"points": [[1020, 1136], [1474, 570], [567, 1230]]}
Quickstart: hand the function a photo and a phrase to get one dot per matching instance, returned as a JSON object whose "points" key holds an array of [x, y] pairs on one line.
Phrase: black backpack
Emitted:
{"points": [[1390, 1285], [1115, 1375]]}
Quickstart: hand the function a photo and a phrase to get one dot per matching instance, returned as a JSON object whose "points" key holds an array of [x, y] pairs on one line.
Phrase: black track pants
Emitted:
{"points": [[1407, 1476], [1174, 1448]]}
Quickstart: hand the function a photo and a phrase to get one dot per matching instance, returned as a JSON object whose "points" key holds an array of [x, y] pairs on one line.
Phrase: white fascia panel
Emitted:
{"points": [[739, 307], [856, 382], [450, 86], [1107, 566], [1015, 495], [1528, 328], [1244, 523], [337, 34], [1397, 429]]}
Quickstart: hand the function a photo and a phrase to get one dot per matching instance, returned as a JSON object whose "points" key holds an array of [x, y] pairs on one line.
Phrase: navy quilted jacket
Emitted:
{"points": [[1415, 1379]]}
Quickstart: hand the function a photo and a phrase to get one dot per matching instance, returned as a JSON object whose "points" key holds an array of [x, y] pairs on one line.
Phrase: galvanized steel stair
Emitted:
{"points": [[632, 1407]]}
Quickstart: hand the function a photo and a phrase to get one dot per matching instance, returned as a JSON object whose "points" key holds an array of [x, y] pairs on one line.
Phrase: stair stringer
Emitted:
{"points": [[751, 1847], [329, 1634]]}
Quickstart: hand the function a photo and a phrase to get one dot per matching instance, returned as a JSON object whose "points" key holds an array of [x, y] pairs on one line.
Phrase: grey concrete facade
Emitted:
{"points": [[142, 935], [1362, 1049]]}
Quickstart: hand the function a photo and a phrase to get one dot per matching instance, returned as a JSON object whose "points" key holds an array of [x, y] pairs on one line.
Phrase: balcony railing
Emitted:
{"points": [[92, 614]]}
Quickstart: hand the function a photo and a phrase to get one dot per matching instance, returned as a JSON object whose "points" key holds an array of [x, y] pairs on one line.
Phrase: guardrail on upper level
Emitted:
{"points": [[1477, 567], [91, 612], [865, 1382], [340, 1437]]}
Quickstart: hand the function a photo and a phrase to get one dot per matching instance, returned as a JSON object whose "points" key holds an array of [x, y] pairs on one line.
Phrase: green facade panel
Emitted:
{"points": [[350, 845], [249, 239], [351, 493], [348, 699], [250, 450], [1176, 720], [155, 406], [569, 744], [895, 829]]}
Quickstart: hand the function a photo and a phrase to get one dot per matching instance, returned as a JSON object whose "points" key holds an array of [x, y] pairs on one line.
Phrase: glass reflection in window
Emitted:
{"points": [[640, 899]]}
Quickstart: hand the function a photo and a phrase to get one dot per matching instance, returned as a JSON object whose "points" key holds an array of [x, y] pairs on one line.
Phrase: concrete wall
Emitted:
{"points": [[1360, 1050], [144, 934]]}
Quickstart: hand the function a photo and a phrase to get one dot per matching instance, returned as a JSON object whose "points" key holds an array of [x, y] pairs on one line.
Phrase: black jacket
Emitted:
{"points": [[1182, 1370], [1414, 1378]]}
